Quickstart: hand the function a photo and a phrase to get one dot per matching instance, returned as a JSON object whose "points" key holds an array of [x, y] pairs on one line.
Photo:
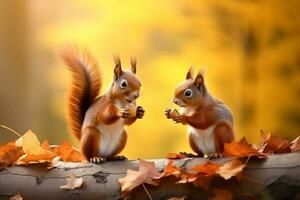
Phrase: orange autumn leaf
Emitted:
{"points": [[9, 154], [68, 153], [169, 170], [230, 169], [202, 181], [34, 152], [221, 194], [273, 144], [207, 169], [175, 156], [295, 144], [186, 177], [45, 145], [241, 149], [145, 174]]}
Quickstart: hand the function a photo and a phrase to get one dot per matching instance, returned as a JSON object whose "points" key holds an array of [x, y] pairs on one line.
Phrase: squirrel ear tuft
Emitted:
{"points": [[133, 64], [199, 80], [189, 74], [118, 69]]}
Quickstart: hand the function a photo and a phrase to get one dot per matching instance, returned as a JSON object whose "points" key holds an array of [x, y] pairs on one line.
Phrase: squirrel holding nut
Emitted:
{"points": [[210, 122], [98, 121]]}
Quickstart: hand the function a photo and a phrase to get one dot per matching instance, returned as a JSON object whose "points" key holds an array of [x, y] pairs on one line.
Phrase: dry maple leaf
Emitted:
{"points": [[241, 149], [9, 154], [271, 143], [220, 194], [16, 197], [230, 169], [207, 169], [295, 144], [169, 170], [175, 156], [145, 174], [68, 153], [34, 153], [72, 183], [203, 181]]}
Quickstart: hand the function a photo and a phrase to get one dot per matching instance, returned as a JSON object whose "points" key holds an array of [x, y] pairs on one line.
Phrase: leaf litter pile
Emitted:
{"points": [[28, 150]]}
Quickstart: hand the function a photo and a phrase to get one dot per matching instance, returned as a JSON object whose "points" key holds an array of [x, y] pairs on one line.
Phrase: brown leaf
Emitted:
{"points": [[207, 169], [169, 170], [72, 183], [16, 197], [241, 149], [221, 194], [295, 144], [68, 153], [187, 177], [177, 198], [9, 154], [175, 156], [203, 181], [273, 144], [230, 169], [34, 153], [145, 174]]}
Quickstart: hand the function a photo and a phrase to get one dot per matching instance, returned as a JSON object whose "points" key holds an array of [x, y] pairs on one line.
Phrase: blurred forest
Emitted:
{"points": [[249, 50]]}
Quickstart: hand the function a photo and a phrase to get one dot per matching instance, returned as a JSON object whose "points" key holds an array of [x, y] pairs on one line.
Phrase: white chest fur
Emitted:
{"points": [[204, 139], [110, 137]]}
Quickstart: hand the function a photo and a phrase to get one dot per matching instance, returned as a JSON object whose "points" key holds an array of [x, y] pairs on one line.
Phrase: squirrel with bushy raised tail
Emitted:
{"points": [[98, 121], [210, 122]]}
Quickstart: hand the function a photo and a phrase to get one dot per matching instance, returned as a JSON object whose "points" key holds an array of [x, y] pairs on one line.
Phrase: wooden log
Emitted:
{"points": [[277, 177]]}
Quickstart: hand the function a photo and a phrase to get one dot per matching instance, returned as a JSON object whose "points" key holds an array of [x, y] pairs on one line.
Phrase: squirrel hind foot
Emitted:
{"points": [[117, 158], [97, 160]]}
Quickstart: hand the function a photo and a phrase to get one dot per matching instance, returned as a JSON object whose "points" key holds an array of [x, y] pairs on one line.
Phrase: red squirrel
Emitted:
{"points": [[98, 121], [210, 122]]}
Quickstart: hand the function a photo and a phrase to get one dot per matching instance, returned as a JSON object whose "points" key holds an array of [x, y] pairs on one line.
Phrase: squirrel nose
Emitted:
{"points": [[175, 101]]}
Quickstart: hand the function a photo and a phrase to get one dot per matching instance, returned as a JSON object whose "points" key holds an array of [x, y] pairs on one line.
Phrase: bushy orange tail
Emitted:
{"points": [[86, 83]]}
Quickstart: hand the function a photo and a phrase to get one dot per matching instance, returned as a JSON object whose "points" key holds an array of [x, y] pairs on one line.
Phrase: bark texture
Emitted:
{"points": [[277, 177]]}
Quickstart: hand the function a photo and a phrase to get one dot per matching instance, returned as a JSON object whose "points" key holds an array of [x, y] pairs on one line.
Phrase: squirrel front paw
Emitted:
{"points": [[140, 112], [97, 160], [125, 113], [174, 115]]}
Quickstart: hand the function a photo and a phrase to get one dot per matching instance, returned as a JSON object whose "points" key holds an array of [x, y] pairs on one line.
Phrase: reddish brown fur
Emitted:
{"points": [[84, 107], [223, 134], [89, 143], [206, 111], [86, 85]]}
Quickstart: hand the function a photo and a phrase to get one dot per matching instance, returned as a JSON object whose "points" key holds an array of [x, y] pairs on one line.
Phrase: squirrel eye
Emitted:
{"points": [[188, 93], [123, 84]]}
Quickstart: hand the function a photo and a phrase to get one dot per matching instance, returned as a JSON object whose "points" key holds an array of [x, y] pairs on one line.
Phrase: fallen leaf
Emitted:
{"points": [[34, 153], [72, 183], [230, 169], [271, 143], [295, 144], [16, 197], [145, 174], [202, 181], [207, 169], [175, 156], [221, 194], [9, 154], [68, 153], [45, 145], [241, 149], [169, 170], [186, 177]]}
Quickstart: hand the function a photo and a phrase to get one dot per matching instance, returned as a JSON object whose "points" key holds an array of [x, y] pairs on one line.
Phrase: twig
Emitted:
{"points": [[15, 132], [147, 191]]}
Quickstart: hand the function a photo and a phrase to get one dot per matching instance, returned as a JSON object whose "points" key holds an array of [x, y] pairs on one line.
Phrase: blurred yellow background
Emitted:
{"points": [[249, 50]]}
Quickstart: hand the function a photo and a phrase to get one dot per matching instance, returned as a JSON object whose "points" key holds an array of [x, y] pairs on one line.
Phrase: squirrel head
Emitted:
{"points": [[126, 85], [191, 92]]}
